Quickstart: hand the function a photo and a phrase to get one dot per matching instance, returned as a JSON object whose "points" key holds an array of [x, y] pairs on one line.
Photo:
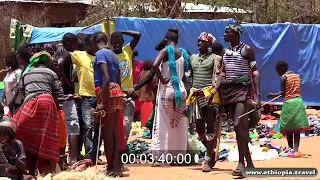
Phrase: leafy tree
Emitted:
{"points": [[259, 11]]}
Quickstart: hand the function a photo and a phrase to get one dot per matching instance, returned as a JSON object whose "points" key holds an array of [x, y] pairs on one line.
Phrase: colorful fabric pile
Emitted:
{"points": [[314, 125], [269, 117]]}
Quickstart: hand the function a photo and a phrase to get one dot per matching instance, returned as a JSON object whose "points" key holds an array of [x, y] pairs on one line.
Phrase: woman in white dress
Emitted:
{"points": [[170, 128], [11, 97]]}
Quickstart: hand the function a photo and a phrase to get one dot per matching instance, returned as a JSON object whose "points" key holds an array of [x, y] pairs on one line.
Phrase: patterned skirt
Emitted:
{"points": [[38, 128], [115, 97], [236, 90]]}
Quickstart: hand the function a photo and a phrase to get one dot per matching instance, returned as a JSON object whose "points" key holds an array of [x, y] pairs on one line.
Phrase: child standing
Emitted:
{"points": [[293, 118], [147, 92]]}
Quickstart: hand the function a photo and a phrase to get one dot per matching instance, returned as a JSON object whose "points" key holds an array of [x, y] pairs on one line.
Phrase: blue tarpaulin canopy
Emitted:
{"points": [[51, 34], [296, 43]]}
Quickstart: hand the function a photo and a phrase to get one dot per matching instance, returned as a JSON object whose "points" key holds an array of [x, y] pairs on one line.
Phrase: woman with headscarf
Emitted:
{"points": [[170, 128], [37, 119]]}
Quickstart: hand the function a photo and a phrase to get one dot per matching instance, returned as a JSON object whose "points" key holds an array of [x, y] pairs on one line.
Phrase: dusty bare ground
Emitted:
{"points": [[224, 169]]}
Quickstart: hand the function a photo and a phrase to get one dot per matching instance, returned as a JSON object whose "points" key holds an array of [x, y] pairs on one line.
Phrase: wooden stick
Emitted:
{"points": [[223, 117], [95, 23], [2, 70], [261, 106], [102, 114]]}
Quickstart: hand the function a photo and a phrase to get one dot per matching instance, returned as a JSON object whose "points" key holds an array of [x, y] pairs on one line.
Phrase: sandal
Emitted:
{"points": [[118, 175], [110, 174], [100, 162], [206, 167], [156, 164], [237, 172]]}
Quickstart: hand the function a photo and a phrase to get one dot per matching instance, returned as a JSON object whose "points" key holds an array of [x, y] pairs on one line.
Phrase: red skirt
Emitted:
{"points": [[146, 110], [38, 128], [115, 97]]}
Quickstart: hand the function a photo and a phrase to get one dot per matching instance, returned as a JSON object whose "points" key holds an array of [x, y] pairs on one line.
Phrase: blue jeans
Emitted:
{"points": [[93, 152], [80, 137], [87, 123], [128, 115]]}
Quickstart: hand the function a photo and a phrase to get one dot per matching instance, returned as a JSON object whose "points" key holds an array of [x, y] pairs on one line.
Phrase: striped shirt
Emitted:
{"points": [[292, 86], [40, 80], [235, 64], [202, 73]]}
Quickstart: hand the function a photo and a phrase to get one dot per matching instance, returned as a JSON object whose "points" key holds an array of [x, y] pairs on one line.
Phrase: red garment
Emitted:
{"points": [[63, 128], [38, 129], [115, 97], [137, 68], [146, 110]]}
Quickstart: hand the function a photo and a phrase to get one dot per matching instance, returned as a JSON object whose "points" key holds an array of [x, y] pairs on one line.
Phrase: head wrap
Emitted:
{"points": [[48, 46], [42, 56], [235, 28], [207, 37], [9, 124]]}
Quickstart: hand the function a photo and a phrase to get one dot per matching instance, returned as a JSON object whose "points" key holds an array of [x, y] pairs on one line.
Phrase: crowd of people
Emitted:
{"points": [[63, 94]]}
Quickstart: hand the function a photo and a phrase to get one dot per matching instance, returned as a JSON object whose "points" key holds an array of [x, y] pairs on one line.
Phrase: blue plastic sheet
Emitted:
{"points": [[296, 43], [50, 34], [153, 30]]}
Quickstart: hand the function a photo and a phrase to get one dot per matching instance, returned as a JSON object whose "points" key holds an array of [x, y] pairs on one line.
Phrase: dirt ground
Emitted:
{"points": [[223, 170]]}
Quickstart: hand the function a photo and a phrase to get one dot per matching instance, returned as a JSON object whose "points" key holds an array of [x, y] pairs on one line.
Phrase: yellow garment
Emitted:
{"points": [[206, 92], [104, 26], [125, 59], [83, 62]]}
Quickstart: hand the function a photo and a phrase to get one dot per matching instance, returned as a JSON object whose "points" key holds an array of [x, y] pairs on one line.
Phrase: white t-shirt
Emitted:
{"points": [[9, 81]]}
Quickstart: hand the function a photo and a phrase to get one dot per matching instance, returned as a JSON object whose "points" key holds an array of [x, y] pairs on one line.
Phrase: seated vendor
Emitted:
{"points": [[13, 151]]}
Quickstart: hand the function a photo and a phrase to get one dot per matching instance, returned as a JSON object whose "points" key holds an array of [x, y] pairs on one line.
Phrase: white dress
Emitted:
{"points": [[170, 127]]}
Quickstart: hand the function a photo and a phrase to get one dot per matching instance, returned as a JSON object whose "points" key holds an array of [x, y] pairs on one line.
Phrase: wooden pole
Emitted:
{"points": [[101, 114], [261, 106], [95, 23]]}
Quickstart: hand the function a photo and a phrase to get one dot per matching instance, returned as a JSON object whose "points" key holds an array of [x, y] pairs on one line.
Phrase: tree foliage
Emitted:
{"points": [[10, 11], [259, 11]]}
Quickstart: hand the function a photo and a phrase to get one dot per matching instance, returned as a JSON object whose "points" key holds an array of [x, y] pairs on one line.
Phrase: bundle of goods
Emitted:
{"points": [[88, 174], [258, 153], [314, 125]]}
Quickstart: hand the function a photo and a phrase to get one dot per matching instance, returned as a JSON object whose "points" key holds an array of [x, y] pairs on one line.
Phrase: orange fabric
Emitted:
{"points": [[146, 92], [292, 85], [146, 110], [63, 129]]}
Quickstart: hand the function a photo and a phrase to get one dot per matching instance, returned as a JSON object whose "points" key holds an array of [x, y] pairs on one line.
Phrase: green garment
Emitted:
{"points": [[149, 123], [293, 117], [42, 56]]}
